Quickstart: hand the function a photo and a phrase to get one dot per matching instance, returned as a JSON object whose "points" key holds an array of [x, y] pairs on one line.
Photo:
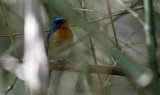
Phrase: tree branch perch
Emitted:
{"points": [[10, 64], [96, 69]]}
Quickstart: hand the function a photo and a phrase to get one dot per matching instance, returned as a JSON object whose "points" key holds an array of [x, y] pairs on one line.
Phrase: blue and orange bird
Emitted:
{"points": [[59, 40]]}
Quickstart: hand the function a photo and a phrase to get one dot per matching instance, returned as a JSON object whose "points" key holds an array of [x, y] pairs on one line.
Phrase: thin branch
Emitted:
{"points": [[13, 43], [83, 9], [134, 14], [115, 14], [93, 51], [11, 86], [114, 19], [131, 47], [92, 48], [5, 21], [18, 34], [114, 30], [9, 64], [131, 7]]}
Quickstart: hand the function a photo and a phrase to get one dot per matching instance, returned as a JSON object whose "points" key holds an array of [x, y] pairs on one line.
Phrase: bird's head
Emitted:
{"points": [[56, 24]]}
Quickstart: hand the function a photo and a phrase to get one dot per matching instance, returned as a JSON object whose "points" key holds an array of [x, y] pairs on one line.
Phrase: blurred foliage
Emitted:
{"points": [[131, 57]]}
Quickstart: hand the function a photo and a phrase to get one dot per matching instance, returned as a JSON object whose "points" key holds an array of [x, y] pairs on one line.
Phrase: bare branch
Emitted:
{"points": [[10, 87], [111, 20], [95, 69], [8, 29], [65, 66]]}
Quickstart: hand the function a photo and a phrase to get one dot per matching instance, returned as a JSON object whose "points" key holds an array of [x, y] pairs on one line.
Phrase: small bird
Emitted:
{"points": [[59, 41]]}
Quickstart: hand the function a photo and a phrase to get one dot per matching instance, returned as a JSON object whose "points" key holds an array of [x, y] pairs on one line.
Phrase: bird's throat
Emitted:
{"points": [[64, 32]]}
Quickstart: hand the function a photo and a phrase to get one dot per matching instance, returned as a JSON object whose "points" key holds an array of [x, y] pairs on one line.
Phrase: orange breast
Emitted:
{"points": [[64, 33]]}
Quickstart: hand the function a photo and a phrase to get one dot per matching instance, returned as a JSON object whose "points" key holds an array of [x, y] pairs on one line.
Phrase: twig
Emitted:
{"points": [[13, 43], [82, 9], [115, 37], [8, 8], [92, 48], [93, 51], [18, 34], [109, 77], [131, 7], [117, 14], [134, 14], [5, 21], [11, 86], [114, 19], [114, 30], [94, 21]]}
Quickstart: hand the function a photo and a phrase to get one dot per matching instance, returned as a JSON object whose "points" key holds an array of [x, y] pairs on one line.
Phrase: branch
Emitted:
{"points": [[12, 65], [112, 23], [8, 29], [96, 69], [10, 87]]}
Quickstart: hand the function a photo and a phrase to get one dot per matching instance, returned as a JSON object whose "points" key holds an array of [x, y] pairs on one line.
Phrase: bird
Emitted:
{"points": [[59, 41]]}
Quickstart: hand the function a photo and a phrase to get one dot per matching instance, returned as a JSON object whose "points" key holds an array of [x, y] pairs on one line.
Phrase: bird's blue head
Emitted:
{"points": [[56, 24]]}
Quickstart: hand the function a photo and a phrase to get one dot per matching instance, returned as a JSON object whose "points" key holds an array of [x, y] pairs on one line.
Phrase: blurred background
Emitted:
{"points": [[97, 18]]}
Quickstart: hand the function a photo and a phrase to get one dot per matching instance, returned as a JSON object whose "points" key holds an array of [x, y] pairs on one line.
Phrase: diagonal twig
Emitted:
{"points": [[13, 43], [11, 86], [92, 48], [7, 26], [114, 30]]}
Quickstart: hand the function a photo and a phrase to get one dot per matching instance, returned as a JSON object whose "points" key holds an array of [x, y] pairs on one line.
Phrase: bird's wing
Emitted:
{"points": [[48, 43]]}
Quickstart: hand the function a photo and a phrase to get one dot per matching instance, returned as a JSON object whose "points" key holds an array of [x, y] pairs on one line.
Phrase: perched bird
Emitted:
{"points": [[59, 40]]}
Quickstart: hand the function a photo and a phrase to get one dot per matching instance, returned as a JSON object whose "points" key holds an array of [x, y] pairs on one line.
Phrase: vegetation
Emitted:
{"points": [[115, 50]]}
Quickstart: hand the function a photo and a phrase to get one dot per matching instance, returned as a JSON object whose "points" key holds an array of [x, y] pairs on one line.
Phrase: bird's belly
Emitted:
{"points": [[63, 53], [59, 51]]}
